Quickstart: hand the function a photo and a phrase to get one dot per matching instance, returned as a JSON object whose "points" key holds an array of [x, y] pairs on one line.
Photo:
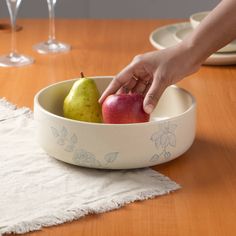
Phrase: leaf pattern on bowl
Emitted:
{"points": [[155, 158], [54, 132], [111, 157], [85, 158], [81, 157], [164, 138], [64, 139]]}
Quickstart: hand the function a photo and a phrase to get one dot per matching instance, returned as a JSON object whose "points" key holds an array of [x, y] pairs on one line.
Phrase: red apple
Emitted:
{"points": [[124, 108]]}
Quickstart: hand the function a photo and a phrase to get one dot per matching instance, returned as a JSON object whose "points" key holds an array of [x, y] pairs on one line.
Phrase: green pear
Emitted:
{"points": [[82, 102]]}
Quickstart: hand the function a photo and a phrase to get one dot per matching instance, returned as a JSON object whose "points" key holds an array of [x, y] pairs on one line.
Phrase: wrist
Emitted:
{"points": [[194, 50], [191, 55]]}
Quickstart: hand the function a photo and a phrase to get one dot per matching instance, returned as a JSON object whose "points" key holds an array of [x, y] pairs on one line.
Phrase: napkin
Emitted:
{"points": [[37, 190]]}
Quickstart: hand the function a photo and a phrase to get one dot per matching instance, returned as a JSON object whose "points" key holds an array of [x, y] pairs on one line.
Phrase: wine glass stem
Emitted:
{"points": [[13, 33], [51, 8]]}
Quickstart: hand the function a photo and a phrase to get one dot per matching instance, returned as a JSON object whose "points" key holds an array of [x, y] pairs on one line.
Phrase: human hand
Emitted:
{"points": [[151, 73]]}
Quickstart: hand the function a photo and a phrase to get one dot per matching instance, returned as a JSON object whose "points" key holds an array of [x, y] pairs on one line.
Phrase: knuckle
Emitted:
{"points": [[138, 59], [117, 81], [145, 82]]}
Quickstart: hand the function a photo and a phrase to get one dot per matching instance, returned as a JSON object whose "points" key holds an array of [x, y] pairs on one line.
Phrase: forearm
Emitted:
{"points": [[214, 32]]}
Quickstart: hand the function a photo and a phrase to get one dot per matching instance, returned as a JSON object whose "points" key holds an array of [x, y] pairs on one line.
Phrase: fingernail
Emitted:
{"points": [[148, 108], [100, 100]]}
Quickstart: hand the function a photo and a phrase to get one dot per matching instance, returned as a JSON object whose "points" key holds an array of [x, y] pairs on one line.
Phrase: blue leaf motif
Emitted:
{"points": [[164, 140], [167, 154], [63, 132], [73, 139], [172, 128], [63, 138], [158, 143], [85, 158], [54, 132], [156, 135], [111, 157], [171, 139], [154, 158]]}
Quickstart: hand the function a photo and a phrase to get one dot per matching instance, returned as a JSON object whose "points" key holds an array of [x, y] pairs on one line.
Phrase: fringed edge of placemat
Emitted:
{"points": [[14, 109], [74, 214]]}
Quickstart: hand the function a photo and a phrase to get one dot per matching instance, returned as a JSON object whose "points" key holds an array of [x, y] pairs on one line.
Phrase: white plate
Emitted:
{"points": [[165, 37], [182, 33]]}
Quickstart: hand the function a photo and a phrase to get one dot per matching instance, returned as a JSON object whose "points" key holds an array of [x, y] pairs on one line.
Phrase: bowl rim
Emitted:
{"points": [[193, 16], [36, 102]]}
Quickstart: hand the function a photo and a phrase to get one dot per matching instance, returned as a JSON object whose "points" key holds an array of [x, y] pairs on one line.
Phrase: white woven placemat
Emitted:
{"points": [[36, 190]]}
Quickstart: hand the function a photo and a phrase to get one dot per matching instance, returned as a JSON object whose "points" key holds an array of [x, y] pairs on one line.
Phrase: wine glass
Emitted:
{"points": [[14, 58], [52, 45]]}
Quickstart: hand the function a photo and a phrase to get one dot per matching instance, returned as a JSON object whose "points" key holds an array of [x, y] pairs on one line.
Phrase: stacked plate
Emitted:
{"points": [[170, 35]]}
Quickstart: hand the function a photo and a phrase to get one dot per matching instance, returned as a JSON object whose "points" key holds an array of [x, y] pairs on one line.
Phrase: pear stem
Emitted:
{"points": [[82, 74]]}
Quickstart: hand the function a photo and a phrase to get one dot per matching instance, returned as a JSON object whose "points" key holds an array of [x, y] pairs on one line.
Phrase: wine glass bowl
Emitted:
{"points": [[51, 45], [14, 59]]}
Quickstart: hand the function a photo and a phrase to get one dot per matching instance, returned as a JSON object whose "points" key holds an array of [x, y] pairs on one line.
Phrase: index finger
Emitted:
{"points": [[123, 77]]}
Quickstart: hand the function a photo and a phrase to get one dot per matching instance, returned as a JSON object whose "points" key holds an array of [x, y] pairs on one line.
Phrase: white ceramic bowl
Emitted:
{"points": [[169, 133], [196, 18]]}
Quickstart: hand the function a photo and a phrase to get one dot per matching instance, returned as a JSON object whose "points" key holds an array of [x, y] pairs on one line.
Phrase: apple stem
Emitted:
{"points": [[82, 74]]}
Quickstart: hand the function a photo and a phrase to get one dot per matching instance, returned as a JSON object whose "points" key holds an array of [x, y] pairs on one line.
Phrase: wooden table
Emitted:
{"points": [[206, 204]]}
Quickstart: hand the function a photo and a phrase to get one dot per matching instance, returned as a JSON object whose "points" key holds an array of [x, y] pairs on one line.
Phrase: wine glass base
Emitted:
{"points": [[7, 27], [51, 47], [15, 60]]}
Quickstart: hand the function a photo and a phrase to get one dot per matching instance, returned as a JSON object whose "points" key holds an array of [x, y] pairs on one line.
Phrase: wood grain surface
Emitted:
{"points": [[206, 204]]}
